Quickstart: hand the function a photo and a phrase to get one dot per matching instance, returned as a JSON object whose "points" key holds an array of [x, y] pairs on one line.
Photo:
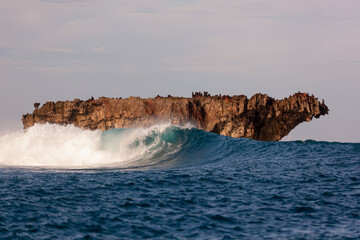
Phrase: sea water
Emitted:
{"points": [[168, 182]]}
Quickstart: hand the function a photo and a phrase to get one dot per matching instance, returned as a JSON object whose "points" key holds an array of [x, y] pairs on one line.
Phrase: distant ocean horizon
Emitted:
{"points": [[170, 182]]}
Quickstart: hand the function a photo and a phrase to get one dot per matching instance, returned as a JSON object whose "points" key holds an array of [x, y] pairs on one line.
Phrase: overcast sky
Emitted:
{"points": [[61, 49]]}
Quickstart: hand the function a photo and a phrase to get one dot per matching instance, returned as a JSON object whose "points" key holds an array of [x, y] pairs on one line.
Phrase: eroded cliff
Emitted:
{"points": [[260, 117]]}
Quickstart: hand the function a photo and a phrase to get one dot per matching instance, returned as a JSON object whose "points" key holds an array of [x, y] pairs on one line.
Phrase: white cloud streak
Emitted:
{"points": [[58, 50]]}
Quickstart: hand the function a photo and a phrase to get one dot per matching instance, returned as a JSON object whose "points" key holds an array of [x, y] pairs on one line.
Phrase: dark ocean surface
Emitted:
{"points": [[167, 182]]}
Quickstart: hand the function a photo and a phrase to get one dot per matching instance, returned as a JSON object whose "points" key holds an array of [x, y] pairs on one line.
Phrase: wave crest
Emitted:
{"points": [[51, 145]]}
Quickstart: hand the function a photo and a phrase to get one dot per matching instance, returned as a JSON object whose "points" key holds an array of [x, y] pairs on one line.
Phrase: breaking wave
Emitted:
{"points": [[159, 146], [51, 145]]}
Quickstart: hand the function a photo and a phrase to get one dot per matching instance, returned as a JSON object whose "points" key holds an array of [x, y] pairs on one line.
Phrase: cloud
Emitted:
{"points": [[58, 69], [58, 50], [99, 50], [208, 68], [69, 1], [13, 62]]}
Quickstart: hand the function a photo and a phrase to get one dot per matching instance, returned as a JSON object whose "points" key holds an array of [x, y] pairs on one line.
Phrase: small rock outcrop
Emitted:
{"points": [[260, 117]]}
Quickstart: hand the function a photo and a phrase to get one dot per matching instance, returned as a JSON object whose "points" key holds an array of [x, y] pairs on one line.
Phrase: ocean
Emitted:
{"points": [[169, 182]]}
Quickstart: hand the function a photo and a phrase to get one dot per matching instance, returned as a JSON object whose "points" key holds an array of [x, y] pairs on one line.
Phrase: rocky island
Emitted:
{"points": [[259, 117]]}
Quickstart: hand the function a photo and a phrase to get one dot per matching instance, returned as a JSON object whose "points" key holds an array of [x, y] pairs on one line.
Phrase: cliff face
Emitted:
{"points": [[260, 117]]}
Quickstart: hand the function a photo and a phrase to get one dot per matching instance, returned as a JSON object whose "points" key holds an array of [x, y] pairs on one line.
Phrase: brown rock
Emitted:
{"points": [[260, 117]]}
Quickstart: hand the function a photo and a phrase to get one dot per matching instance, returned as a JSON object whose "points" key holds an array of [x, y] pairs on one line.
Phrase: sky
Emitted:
{"points": [[53, 50]]}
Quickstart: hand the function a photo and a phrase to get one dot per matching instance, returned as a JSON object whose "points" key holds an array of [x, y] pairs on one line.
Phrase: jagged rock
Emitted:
{"points": [[36, 105], [260, 117]]}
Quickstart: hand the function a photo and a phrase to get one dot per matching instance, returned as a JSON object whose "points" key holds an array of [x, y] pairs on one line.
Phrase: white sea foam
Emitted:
{"points": [[51, 145]]}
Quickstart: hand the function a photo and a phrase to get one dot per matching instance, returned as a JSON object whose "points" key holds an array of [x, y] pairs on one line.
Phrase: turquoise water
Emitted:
{"points": [[168, 182]]}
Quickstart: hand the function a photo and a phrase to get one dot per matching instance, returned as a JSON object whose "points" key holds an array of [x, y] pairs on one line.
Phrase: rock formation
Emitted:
{"points": [[260, 117]]}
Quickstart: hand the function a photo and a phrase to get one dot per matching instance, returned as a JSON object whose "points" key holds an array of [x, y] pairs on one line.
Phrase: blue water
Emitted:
{"points": [[190, 184]]}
